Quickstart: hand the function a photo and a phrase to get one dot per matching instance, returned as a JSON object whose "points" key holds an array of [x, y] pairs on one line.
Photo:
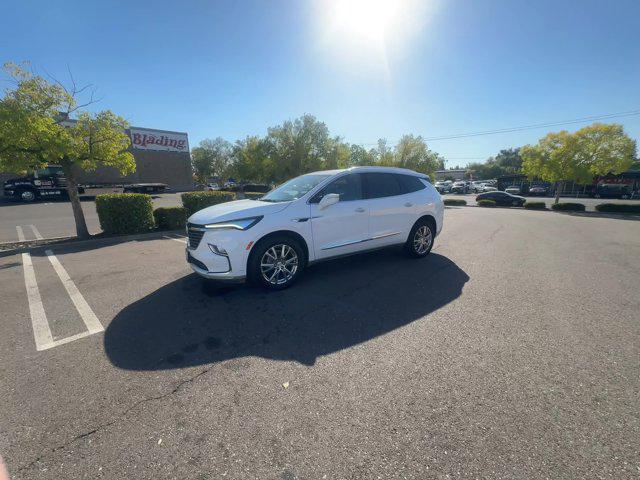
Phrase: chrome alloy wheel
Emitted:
{"points": [[422, 240], [279, 264]]}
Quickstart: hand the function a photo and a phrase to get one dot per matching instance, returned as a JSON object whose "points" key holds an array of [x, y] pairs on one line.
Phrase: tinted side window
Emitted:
{"points": [[380, 185], [349, 187], [410, 183]]}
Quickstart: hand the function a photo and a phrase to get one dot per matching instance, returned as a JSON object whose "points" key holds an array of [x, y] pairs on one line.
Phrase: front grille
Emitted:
{"points": [[195, 235]]}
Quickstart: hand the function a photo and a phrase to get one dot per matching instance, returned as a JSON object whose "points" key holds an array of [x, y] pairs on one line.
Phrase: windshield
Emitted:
{"points": [[294, 188]]}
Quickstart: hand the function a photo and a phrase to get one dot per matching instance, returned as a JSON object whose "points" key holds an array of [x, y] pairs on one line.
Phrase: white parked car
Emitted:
{"points": [[314, 217], [213, 187], [487, 188]]}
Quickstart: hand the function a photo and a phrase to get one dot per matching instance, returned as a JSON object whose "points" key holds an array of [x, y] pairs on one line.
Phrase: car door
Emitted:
{"points": [[391, 211], [341, 228]]}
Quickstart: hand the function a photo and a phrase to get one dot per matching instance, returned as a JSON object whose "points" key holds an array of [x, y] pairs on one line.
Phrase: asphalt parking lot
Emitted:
{"points": [[512, 351]]}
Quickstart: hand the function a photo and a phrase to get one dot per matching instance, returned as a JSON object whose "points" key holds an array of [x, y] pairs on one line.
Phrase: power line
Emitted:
{"points": [[527, 127], [536, 125]]}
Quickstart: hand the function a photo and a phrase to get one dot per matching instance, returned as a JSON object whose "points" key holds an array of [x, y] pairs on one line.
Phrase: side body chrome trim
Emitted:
{"points": [[331, 247]]}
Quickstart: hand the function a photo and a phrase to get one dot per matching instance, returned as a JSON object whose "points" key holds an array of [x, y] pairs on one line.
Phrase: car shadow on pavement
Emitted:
{"points": [[334, 306]]}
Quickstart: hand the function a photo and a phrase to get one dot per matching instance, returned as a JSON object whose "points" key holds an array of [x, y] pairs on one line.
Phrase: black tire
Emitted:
{"points": [[283, 274], [413, 247]]}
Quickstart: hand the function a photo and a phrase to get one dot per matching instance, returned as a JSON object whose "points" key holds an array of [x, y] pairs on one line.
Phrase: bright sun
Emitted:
{"points": [[366, 20]]}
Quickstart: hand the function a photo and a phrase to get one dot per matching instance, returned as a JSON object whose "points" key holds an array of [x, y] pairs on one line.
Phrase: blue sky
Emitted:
{"points": [[431, 68]]}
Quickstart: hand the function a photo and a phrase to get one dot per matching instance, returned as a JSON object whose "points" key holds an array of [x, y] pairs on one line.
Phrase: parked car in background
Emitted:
{"points": [[487, 188], [314, 217], [476, 186], [503, 199], [513, 189], [212, 187], [459, 187], [538, 190], [443, 186]]}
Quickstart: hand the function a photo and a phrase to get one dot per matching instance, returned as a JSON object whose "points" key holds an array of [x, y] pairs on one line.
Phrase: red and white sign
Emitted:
{"points": [[158, 140]]}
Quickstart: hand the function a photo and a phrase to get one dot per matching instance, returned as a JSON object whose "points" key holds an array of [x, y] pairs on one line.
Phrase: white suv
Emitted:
{"points": [[314, 217]]}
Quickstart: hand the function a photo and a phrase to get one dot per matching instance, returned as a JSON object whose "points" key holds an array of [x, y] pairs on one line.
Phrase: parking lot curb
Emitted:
{"points": [[7, 250]]}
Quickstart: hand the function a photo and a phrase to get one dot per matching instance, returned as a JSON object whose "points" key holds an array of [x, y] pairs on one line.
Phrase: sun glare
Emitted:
{"points": [[367, 20]]}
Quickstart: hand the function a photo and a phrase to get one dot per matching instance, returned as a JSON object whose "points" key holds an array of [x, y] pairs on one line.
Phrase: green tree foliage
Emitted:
{"points": [[211, 158], [411, 152], [35, 131], [304, 145], [594, 150], [506, 162]]}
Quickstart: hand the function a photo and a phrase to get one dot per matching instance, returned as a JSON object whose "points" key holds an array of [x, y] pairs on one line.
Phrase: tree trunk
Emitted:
{"points": [[76, 206], [559, 185]]}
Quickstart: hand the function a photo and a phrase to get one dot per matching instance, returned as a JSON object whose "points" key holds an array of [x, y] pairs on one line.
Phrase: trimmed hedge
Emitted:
{"points": [[454, 202], [125, 212], [568, 207], [535, 205], [486, 203], [254, 195], [618, 207], [194, 201], [170, 218]]}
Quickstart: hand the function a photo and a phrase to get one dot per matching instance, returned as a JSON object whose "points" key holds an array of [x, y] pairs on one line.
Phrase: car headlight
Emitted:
{"points": [[239, 224]]}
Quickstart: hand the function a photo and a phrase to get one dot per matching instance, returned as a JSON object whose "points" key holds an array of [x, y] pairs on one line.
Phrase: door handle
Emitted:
{"points": [[408, 204], [360, 210]]}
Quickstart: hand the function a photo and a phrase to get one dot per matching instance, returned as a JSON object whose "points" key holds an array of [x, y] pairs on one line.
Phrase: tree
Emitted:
{"points": [[36, 129], [509, 161], [605, 148], [553, 159], [211, 158], [594, 150], [412, 152]]}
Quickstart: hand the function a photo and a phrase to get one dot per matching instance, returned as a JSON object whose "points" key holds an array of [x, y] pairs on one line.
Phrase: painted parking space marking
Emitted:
{"points": [[88, 317], [36, 232], [41, 331], [177, 238], [20, 233]]}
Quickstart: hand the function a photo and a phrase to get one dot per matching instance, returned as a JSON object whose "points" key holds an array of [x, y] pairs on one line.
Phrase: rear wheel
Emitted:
{"points": [[276, 262], [420, 239], [27, 195]]}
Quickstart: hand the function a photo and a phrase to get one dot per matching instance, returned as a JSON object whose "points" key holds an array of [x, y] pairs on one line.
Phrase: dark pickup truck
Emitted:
{"points": [[51, 183]]}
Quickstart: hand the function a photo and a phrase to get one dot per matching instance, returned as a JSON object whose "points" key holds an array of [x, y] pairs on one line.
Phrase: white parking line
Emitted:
{"points": [[176, 238], [36, 232], [41, 331], [20, 233], [88, 317]]}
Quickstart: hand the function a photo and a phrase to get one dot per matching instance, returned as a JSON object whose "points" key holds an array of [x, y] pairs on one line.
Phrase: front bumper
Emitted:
{"points": [[220, 254]]}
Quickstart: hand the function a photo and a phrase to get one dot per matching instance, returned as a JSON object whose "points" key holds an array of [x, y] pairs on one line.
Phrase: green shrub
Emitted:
{"points": [[486, 203], [253, 195], [618, 207], [568, 207], [454, 202], [535, 205], [194, 201], [170, 218], [125, 212]]}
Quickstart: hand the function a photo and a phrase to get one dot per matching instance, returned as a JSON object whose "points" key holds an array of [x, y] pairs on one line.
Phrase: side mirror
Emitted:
{"points": [[328, 200]]}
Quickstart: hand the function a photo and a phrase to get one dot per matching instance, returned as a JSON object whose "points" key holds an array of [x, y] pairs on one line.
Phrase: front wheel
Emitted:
{"points": [[420, 239], [276, 263]]}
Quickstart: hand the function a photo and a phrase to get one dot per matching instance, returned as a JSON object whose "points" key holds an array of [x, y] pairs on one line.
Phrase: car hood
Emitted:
{"points": [[235, 210]]}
